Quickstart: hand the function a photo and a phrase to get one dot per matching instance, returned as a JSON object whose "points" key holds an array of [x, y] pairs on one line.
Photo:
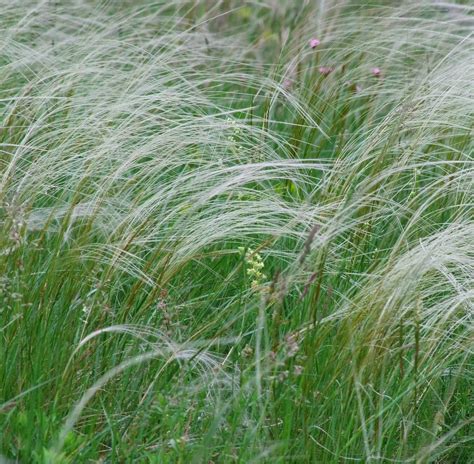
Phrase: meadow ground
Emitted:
{"points": [[236, 231]]}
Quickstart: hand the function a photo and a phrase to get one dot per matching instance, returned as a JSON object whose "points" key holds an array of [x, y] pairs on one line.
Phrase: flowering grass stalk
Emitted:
{"points": [[226, 240]]}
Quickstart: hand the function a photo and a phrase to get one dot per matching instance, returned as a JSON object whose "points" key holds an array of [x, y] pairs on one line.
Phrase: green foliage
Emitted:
{"points": [[218, 244]]}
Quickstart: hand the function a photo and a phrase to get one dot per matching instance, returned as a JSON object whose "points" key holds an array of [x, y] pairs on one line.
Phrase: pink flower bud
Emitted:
{"points": [[376, 72], [313, 43], [325, 70]]}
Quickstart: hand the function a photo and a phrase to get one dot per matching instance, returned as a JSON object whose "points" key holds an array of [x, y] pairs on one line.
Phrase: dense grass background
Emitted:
{"points": [[218, 244]]}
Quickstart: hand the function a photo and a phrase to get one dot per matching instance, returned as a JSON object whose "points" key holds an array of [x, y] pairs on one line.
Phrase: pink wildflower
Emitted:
{"points": [[376, 72], [325, 70], [313, 43]]}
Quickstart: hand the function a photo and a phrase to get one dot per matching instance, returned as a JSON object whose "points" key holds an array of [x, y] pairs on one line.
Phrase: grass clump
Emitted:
{"points": [[236, 232]]}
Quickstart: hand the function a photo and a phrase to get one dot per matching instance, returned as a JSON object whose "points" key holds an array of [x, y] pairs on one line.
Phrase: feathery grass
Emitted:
{"points": [[219, 244]]}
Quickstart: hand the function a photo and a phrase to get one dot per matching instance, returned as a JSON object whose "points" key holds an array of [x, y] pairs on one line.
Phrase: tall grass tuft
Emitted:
{"points": [[236, 231]]}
